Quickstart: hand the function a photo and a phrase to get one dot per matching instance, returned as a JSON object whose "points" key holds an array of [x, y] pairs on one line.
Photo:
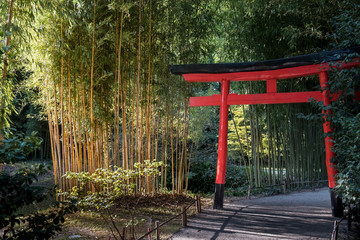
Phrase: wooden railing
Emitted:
{"points": [[183, 216]]}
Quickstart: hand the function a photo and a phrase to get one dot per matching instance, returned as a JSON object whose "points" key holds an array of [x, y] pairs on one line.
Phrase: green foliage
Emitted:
{"points": [[19, 31], [17, 147], [6, 97], [236, 176], [345, 119], [238, 149], [108, 186], [348, 153], [202, 176], [346, 112], [16, 192], [265, 29], [347, 25]]}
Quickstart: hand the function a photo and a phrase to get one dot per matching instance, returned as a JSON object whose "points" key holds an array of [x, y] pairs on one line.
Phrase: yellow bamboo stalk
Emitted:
{"points": [[57, 142], [51, 132], [84, 116], [123, 98], [138, 126], [115, 155], [71, 150], [77, 141], [148, 107], [93, 127], [132, 139], [172, 148], [62, 120]]}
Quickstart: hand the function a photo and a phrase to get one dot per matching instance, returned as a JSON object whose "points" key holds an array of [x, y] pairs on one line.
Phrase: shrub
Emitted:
{"points": [[203, 173], [98, 191], [16, 192]]}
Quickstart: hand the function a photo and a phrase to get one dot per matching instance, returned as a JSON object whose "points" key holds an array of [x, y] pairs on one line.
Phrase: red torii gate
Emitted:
{"points": [[269, 71]]}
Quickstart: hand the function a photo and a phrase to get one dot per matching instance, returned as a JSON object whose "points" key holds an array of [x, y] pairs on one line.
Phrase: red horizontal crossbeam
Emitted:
{"points": [[264, 98], [283, 73]]}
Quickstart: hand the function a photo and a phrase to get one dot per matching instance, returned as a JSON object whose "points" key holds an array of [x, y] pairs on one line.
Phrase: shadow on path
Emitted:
{"points": [[304, 215]]}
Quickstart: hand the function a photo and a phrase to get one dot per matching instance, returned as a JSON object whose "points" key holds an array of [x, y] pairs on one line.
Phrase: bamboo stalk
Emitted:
{"points": [[71, 152], [115, 156], [172, 149], [148, 100], [84, 116], [93, 127], [138, 126], [51, 131], [123, 97]]}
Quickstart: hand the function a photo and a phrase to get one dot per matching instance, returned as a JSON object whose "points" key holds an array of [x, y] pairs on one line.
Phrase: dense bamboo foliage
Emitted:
{"points": [[276, 144], [101, 70], [109, 97]]}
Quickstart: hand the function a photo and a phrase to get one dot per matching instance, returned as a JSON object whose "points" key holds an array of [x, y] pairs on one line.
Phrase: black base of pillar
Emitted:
{"points": [[219, 196], [337, 207]]}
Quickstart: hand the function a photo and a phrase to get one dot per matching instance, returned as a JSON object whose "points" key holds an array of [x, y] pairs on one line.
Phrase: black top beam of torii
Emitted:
{"points": [[297, 61]]}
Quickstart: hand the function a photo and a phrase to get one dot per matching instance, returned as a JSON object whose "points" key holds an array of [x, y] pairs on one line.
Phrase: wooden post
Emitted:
{"points": [[334, 234], [157, 230], [197, 204], [284, 185], [349, 218], [183, 214], [249, 191], [200, 204], [313, 185]]}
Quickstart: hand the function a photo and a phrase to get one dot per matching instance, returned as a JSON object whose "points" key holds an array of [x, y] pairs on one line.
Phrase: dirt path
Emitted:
{"points": [[304, 215]]}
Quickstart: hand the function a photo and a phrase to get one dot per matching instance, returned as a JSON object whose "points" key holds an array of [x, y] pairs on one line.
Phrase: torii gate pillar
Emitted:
{"points": [[336, 202], [222, 148]]}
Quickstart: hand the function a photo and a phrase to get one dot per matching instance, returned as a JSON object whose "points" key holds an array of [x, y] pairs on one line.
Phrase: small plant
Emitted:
{"points": [[98, 192]]}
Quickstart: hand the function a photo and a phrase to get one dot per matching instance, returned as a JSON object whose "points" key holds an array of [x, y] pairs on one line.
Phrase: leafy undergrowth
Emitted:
{"points": [[144, 210]]}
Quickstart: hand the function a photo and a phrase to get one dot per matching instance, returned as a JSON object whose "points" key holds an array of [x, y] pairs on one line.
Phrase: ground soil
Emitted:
{"points": [[298, 215]]}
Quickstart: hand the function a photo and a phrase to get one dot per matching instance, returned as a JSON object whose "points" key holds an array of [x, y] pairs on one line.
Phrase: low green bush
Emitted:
{"points": [[17, 191], [203, 173]]}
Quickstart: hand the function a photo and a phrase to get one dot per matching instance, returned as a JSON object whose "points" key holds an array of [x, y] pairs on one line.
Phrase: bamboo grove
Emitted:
{"points": [[106, 100], [276, 151], [102, 71]]}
